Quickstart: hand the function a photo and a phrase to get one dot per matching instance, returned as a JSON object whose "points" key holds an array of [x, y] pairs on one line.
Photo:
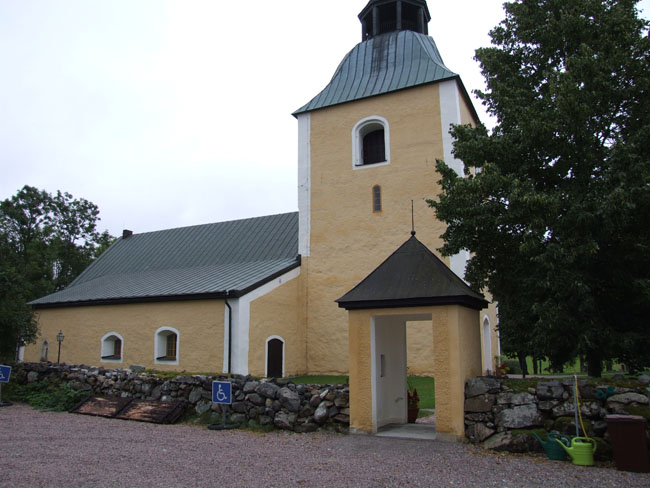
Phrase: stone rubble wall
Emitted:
{"points": [[299, 408], [499, 416]]}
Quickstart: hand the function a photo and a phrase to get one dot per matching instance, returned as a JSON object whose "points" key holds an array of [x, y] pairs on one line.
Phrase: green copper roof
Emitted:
{"points": [[383, 64], [411, 277], [189, 262]]}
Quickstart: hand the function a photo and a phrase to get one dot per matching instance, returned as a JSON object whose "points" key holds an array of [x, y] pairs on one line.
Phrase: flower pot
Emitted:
{"points": [[413, 415]]}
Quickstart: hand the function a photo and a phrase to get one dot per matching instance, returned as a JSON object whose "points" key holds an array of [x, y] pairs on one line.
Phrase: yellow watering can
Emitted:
{"points": [[581, 450]]}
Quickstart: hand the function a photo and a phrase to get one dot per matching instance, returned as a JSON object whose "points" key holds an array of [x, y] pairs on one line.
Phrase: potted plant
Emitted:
{"points": [[413, 405]]}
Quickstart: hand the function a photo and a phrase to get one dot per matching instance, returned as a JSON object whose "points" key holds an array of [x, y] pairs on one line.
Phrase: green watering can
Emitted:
{"points": [[551, 447], [581, 450]]}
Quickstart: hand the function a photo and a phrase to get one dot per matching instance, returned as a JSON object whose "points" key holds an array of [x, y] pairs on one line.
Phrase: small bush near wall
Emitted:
{"points": [[502, 414], [278, 403]]}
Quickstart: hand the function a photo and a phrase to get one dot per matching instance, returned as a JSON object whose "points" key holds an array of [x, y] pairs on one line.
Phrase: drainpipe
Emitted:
{"points": [[229, 333]]}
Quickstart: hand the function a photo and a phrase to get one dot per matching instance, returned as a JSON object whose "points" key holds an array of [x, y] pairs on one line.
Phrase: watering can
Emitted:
{"points": [[581, 450], [552, 448]]}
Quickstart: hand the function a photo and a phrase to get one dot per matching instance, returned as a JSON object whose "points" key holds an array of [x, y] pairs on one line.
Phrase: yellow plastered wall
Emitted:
{"points": [[279, 313], [348, 239], [419, 348], [199, 323], [457, 357], [360, 371]]}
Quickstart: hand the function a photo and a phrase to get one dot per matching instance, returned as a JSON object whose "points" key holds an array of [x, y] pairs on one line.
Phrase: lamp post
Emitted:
{"points": [[59, 339]]}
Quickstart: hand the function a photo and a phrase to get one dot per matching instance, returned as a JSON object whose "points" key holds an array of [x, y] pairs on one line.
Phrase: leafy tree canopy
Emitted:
{"points": [[555, 202], [45, 242]]}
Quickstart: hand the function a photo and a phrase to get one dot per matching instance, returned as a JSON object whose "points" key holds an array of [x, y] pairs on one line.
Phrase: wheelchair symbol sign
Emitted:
{"points": [[5, 373], [222, 392]]}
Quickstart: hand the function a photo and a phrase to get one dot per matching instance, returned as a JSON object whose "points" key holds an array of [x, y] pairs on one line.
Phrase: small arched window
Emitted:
{"points": [[376, 198], [112, 347], [370, 142], [166, 349]]}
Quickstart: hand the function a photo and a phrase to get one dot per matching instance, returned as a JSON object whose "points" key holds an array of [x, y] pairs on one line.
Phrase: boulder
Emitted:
{"points": [[480, 386], [267, 390], [32, 377], [289, 399], [306, 427], [320, 415], [644, 378], [549, 390], [256, 399], [515, 398], [250, 386], [519, 417], [203, 406], [196, 394], [284, 420], [627, 398], [478, 432], [481, 403], [508, 441]]}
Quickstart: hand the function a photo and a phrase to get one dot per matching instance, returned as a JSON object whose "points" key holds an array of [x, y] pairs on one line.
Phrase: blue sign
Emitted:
{"points": [[5, 373], [222, 392]]}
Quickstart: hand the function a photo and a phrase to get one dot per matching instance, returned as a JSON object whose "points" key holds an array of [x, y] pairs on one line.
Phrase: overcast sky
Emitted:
{"points": [[175, 113]]}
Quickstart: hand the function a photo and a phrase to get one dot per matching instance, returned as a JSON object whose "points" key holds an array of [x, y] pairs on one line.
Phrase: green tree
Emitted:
{"points": [[45, 242], [555, 202]]}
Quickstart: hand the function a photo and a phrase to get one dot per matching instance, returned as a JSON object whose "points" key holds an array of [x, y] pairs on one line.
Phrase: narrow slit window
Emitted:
{"points": [[376, 198]]}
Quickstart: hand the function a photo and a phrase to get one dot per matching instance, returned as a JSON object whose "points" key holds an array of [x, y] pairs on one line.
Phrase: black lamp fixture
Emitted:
{"points": [[59, 339]]}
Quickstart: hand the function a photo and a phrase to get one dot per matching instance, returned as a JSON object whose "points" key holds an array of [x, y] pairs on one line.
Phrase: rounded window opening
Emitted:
{"points": [[166, 346], [371, 142], [112, 347]]}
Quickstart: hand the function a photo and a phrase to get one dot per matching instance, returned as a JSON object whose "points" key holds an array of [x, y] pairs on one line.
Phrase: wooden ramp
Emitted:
{"points": [[156, 412]]}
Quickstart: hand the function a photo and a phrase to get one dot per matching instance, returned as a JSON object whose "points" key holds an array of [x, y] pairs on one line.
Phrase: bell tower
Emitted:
{"points": [[383, 16], [367, 147]]}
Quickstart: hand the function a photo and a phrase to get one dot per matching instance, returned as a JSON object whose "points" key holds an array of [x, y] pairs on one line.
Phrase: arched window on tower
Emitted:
{"points": [[371, 142]]}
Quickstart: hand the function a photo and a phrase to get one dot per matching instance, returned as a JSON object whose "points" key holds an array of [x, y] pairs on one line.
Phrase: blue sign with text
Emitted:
{"points": [[5, 373], [222, 392]]}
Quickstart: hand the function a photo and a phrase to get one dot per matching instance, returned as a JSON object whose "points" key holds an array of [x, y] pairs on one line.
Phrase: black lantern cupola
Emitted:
{"points": [[382, 16]]}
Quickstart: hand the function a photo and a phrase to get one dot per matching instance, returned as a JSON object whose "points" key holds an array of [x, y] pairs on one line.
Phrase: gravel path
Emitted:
{"points": [[45, 449]]}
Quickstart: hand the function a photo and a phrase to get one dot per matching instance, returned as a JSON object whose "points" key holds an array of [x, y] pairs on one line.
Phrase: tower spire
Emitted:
{"points": [[382, 16]]}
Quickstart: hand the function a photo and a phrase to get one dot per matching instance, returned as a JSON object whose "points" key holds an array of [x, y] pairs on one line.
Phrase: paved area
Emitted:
{"points": [[52, 450]]}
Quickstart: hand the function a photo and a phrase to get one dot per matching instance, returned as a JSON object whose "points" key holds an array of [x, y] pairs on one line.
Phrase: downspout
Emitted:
{"points": [[229, 333]]}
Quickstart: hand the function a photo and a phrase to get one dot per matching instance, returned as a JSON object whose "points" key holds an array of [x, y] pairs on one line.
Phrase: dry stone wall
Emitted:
{"points": [[502, 414], [300, 408]]}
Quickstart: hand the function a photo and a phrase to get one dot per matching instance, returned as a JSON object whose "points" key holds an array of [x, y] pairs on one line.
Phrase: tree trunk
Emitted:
{"points": [[535, 370], [522, 364], [594, 363]]}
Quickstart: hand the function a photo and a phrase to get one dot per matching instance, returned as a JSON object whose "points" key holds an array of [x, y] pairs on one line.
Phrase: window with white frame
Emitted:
{"points": [[112, 347], [371, 142], [166, 346]]}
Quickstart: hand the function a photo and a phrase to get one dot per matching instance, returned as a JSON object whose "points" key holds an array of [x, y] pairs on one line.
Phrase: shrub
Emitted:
{"points": [[45, 396]]}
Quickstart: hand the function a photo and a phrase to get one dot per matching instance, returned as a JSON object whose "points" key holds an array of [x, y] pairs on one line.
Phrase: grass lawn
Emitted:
{"points": [[424, 385]]}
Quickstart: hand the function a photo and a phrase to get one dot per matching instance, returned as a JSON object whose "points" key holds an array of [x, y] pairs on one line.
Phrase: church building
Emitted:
{"points": [[259, 296]]}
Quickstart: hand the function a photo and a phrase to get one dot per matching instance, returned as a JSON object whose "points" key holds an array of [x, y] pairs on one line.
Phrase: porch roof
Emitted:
{"points": [[411, 277]]}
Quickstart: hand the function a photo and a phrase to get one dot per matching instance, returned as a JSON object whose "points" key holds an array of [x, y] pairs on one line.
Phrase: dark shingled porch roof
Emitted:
{"points": [[411, 277]]}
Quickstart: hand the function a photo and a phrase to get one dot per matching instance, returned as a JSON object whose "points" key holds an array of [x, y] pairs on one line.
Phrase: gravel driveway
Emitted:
{"points": [[46, 449]]}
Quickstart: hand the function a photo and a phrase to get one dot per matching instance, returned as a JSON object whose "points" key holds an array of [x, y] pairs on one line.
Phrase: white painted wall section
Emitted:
{"points": [[304, 183], [241, 315], [450, 114]]}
